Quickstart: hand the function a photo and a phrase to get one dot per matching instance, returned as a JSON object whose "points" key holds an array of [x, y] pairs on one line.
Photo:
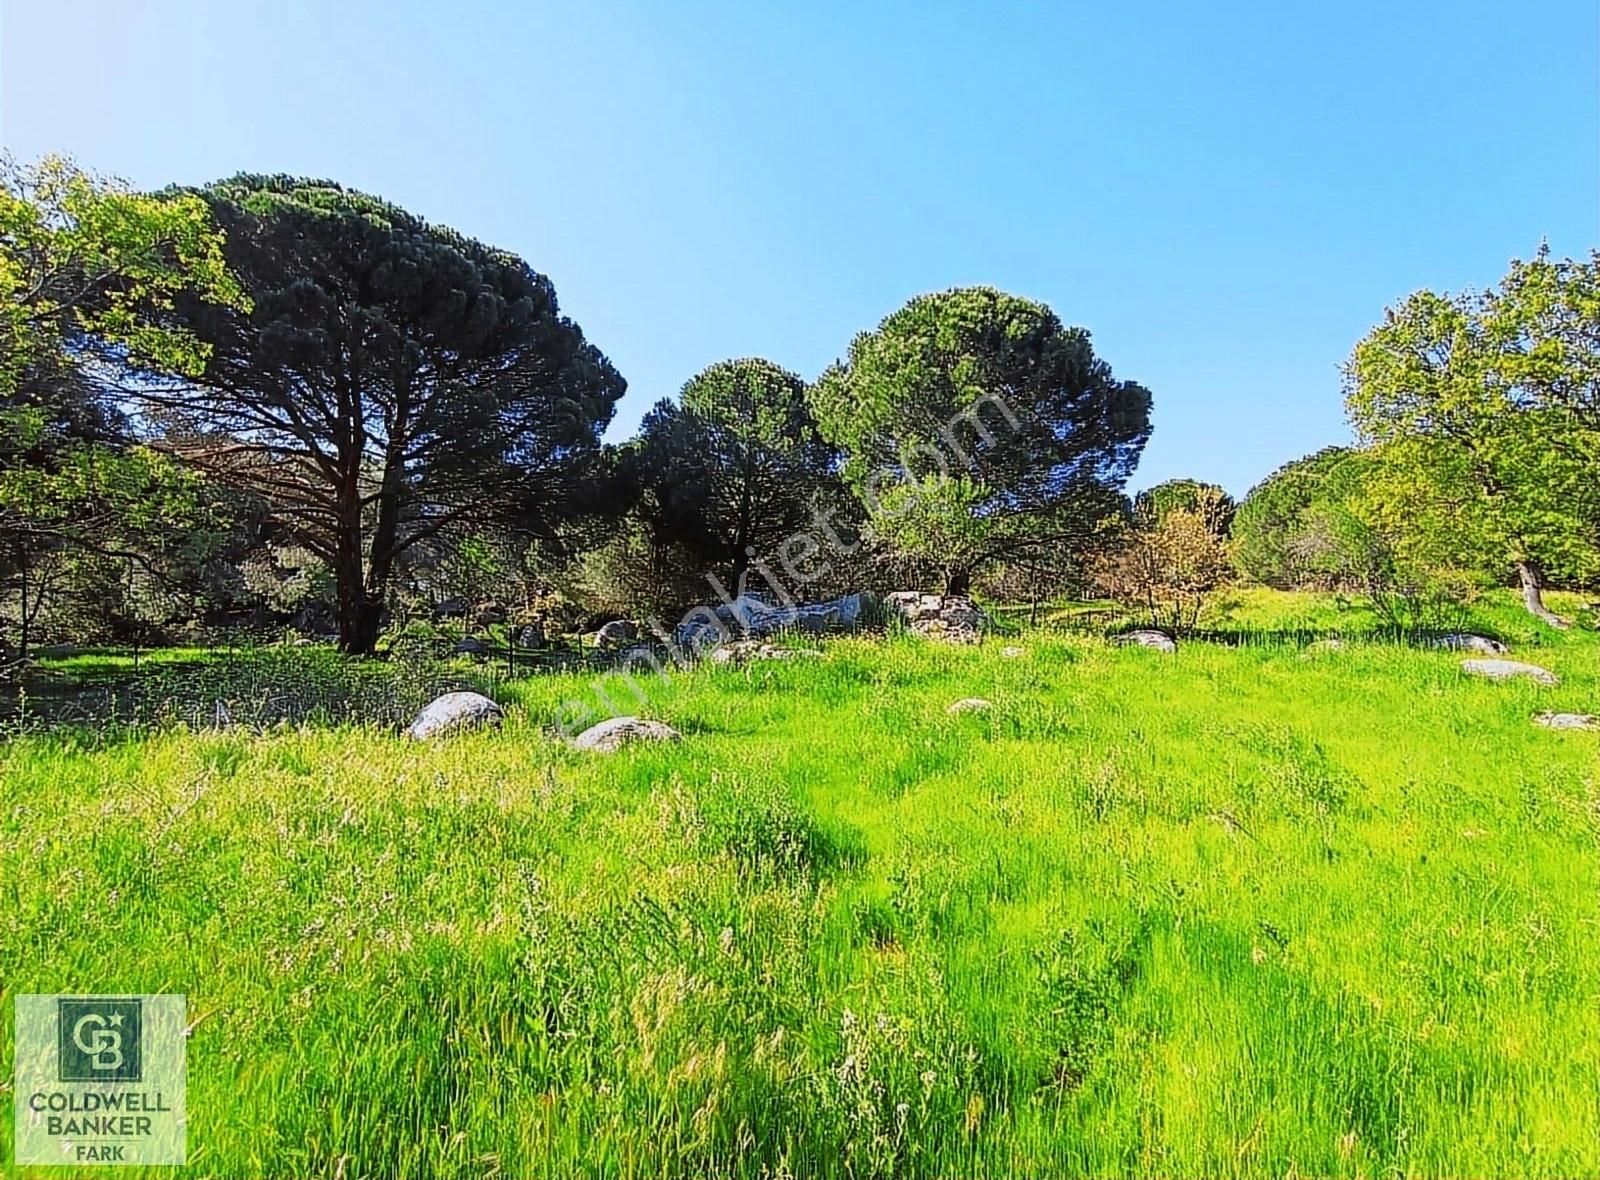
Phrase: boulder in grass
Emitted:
{"points": [[969, 705], [471, 646], [1462, 641], [1147, 637], [750, 616], [1509, 670], [741, 650], [609, 736], [618, 633], [954, 618], [1013, 653], [1567, 721], [453, 712]]}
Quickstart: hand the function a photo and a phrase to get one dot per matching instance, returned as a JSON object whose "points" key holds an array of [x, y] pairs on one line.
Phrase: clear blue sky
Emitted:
{"points": [[1226, 195]]}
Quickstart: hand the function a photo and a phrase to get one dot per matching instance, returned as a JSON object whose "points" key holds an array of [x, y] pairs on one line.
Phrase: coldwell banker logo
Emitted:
{"points": [[99, 1040], [100, 1080]]}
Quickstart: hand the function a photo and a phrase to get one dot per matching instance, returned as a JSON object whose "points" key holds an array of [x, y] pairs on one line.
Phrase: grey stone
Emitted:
{"points": [[752, 617], [1013, 653], [609, 736], [1146, 637], [471, 647], [1567, 721], [452, 712], [953, 618], [617, 633], [740, 650], [1462, 641], [1509, 670], [969, 705]]}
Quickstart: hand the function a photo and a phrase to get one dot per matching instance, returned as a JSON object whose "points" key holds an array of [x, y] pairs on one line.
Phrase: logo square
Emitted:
{"points": [[99, 1039]]}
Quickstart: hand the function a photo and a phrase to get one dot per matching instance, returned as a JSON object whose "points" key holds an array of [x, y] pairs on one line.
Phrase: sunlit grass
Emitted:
{"points": [[1250, 910]]}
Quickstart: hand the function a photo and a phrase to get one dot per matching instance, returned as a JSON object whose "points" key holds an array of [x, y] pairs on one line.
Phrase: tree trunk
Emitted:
{"points": [[24, 619], [358, 610], [957, 580], [1533, 594]]}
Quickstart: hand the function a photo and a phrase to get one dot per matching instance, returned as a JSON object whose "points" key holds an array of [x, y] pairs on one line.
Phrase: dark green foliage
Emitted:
{"points": [[735, 467], [393, 379], [977, 427]]}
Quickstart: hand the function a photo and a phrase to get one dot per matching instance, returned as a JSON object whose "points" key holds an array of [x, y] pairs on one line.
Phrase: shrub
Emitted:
{"points": [[1168, 566], [637, 575]]}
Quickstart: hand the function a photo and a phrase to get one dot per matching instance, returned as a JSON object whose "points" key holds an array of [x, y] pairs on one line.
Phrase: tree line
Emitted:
{"points": [[279, 398]]}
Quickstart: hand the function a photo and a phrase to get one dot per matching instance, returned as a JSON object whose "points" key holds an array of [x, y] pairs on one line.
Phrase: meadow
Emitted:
{"points": [[1259, 908]]}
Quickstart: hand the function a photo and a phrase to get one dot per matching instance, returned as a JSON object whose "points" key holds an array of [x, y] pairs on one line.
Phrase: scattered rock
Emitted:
{"points": [[489, 614], [741, 650], [454, 711], [1462, 641], [1012, 653], [532, 637], [641, 655], [1509, 670], [1155, 640], [954, 618], [450, 608], [1334, 644], [970, 705], [752, 617], [1567, 721], [471, 647], [609, 736], [617, 633]]}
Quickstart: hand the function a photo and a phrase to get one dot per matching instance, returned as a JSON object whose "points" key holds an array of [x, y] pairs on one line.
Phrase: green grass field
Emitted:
{"points": [[1251, 910]]}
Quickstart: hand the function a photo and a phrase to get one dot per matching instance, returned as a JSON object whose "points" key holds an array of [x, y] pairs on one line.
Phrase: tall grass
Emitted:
{"points": [[1250, 910]]}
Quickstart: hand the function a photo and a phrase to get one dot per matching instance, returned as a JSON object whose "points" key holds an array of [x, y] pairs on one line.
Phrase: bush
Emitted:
{"points": [[638, 576], [1168, 566]]}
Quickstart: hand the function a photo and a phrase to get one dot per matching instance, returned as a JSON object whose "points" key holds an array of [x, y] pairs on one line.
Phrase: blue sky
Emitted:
{"points": [[1226, 195]]}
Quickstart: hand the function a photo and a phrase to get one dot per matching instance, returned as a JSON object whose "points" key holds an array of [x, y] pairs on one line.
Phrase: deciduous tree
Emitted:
{"points": [[1477, 466]]}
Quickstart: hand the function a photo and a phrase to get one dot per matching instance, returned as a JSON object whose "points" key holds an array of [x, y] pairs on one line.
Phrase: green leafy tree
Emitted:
{"points": [[1280, 531], [1170, 561], [735, 468], [977, 428], [1191, 495], [1477, 470], [393, 379], [87, 269]]}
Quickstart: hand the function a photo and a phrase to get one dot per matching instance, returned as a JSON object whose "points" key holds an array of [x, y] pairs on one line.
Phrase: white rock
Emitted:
{"points": [[1462, 641], [750, 617], [1145, 637], [1567, 721], [610, 736], [452, 712], [1509, 670], [1012, 653], [970, 705]]}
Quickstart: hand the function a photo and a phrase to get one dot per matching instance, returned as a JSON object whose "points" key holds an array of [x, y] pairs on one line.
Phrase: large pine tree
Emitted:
{"points": [[393, 378]]}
